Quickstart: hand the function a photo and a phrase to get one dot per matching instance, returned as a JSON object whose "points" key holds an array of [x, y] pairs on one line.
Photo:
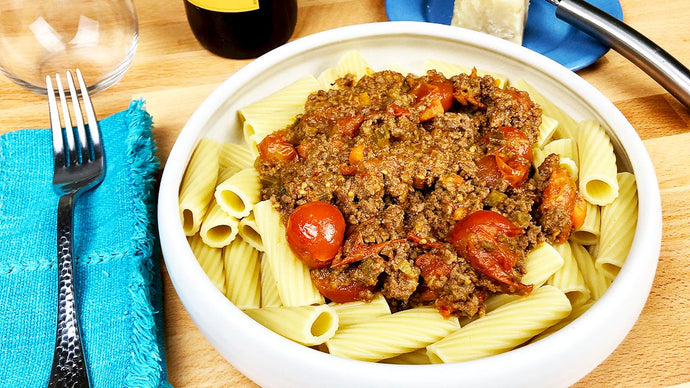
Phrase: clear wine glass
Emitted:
{"points": [[44, 37]]}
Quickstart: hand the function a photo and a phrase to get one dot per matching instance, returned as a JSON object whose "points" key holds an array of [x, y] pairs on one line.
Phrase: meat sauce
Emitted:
{"points": [[435, 180]]}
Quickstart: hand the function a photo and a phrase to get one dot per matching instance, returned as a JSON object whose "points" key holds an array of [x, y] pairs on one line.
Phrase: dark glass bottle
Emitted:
{"points": [[241, 29]]}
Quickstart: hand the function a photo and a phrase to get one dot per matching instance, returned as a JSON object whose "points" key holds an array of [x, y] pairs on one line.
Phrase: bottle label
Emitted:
{"points": [[227, 5]]}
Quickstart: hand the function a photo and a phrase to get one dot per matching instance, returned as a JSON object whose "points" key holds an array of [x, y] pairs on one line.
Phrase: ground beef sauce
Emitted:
{"points": [[406, 164]]}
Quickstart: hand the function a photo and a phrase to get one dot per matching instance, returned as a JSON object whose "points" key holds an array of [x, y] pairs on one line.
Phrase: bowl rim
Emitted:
{"points": [[637, 274]]}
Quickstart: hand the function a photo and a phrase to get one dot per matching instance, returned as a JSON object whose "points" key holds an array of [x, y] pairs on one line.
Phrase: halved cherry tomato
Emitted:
{"points": [[274, 148], [339, 289], [476, 239], [348, 125], [432, 267], [513, 156], [561, 193], [434, 97], [487, 171], [315, 233]]}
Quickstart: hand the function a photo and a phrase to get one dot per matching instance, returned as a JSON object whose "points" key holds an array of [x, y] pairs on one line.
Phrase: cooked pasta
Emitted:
{"points": [[595, 280], [234, 155], [415, 357], [250, 233], [371, 340], [242, 274], [237, 194], [598, 183], [588, 233], [504, 328], [269, 288], [198, 182], [218, 228], [210, 259], [291, 275], [565, 148], [540, 264], [569, 279], [307, 325], [577, 311], [276, 110], [547, 128], [359, 311], [618, 222]]}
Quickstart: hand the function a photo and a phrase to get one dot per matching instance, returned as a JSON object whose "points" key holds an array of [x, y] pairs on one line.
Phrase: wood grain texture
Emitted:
{"points": [[174, 74]]}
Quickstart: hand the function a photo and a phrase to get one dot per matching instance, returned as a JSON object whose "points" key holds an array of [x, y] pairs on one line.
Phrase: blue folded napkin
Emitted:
{"points": [[117, 273]]}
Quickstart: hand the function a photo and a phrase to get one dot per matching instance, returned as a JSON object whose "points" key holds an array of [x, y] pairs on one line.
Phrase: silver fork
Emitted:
{"points": [[78, 166]]}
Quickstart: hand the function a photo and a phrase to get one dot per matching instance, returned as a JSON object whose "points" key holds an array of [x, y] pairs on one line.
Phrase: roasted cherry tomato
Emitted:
{"points": [[476, 238], [348, 125], [487, 171], [561, 193], [274, 148], [339, 289], [315, 233], [434, 97], [513, 155]]}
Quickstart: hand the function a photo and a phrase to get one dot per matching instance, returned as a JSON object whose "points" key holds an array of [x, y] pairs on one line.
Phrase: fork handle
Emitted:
{"points": [[69, 365]]}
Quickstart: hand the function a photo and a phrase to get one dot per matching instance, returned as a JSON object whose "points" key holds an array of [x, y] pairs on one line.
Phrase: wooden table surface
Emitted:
{"points": [[174, 74]]}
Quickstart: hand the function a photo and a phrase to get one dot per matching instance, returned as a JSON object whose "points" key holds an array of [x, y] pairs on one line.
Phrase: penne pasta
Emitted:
{"points": [[210, 259], [242, 274], [355, 312], [371, 340], [250, 233], [291, 275], [198, 182], [598, 184], [618, 223], [588, 233], [569, 279], [218, 228], [237, 194], [307, 325], [504, 328]]}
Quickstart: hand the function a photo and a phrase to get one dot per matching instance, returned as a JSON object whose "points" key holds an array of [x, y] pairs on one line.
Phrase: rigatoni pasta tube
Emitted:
{"points": [[250, 233], [415, 357], [598, 183], [567, 126], [218, 228], [275, 111], [242, 274], [359, 311], [596, 281], [198, 183], [210, 259], [504, 328], [237, 194], [307, 325], [372, 340], [618, 222], [291, 275], [269, 288], [569, 279], [588, 233], [238, 156]]}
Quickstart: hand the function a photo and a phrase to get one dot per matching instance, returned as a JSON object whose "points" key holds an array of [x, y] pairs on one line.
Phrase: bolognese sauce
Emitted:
{"points": [[435, 182]]}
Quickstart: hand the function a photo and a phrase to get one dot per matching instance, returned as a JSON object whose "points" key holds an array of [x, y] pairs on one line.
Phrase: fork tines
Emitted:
{"points": [[79, 144]]}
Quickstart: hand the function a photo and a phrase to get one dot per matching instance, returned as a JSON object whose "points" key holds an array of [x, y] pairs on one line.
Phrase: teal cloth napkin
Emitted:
{"points": [[117, 273]]}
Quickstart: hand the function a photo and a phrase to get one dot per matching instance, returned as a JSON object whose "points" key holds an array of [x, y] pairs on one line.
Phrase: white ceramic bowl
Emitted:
{"points": [[271, 360]]}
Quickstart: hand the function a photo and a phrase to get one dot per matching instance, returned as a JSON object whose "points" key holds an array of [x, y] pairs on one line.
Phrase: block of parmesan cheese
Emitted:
{"points": [[502, 18]]}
